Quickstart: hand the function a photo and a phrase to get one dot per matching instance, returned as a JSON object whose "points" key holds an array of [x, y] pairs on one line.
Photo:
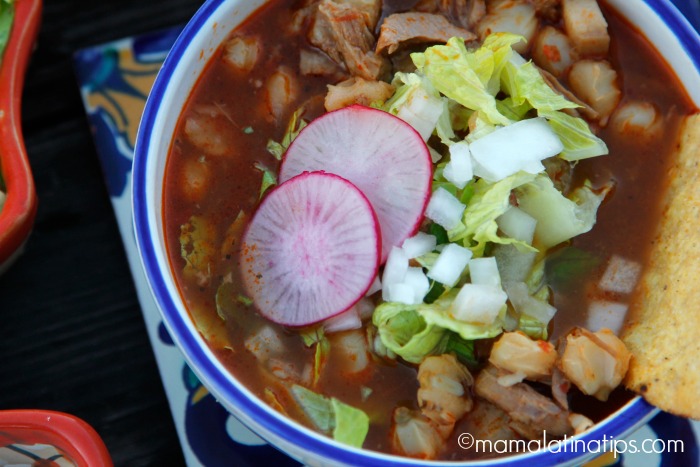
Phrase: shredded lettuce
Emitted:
{"points": [[526, 86], [351, 424], [438, 314], [197, 240], [558, 218], [294, 127], [333, 417], [579, 142], [269, 178], [465, 76], [404, 331], [490, 201]]}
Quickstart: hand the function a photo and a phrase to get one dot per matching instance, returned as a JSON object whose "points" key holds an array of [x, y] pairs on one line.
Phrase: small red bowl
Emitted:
{"points": [[49, 438], [17, 215]]}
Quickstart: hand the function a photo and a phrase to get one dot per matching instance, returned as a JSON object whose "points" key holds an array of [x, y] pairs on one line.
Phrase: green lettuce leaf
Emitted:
{"points": [[331, 416], [525, 85], [351, 424], [269, 178], [465, 76], [558, 218], [438, 314], [404, 331], [294, 127], [197, 248], [579, 142], [489, 201]]}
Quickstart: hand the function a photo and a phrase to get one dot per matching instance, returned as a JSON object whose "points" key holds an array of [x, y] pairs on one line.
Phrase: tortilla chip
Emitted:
{"points": [[663, 333]]}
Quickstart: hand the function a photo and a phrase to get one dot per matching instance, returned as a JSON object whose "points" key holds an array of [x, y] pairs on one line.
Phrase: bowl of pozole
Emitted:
{"points": [[389, 232]]}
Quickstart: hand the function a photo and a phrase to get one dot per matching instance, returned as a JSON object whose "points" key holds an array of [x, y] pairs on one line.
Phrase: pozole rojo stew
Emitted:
{"points": [[391, 220]]}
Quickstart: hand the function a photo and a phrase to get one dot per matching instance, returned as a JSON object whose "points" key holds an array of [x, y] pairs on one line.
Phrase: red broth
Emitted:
{"points": [[228, 184]]}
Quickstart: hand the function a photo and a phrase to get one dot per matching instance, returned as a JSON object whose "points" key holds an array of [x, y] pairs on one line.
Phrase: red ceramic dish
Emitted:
{"points": [[54, 437], [17, 215]]}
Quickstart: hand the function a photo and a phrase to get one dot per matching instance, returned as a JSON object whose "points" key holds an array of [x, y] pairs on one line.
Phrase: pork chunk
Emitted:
{"points": [[341, 31], [413, 27]]}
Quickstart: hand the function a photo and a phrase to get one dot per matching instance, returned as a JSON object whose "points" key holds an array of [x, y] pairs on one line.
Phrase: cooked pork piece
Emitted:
{"points": [[412, 27], [523, 404], [357, 91], [465, 13], [341, 31]]}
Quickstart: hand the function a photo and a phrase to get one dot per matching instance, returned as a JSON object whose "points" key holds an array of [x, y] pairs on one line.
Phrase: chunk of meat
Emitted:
{"points": [[584, 109], [316, 63], [595, 82], [586, 27], [465, 13], [414, 435], [488, 422], [523, 404], [515, 16], [516, 353], [370, 9], [595, 362], [241, 53], [357, 91], [340, 30], [412, 27], [444, 395], [548, 9], [552, 50]]}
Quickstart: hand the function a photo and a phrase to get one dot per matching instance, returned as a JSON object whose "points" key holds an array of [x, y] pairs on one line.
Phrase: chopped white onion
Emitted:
{"points": [[450, 264], [512, 148], [418, 245], [345, 321], [264, 344], [513, 265], [459, 170], [418, 281], [621, 275], [422, 112], [400, 293], [484, 271], [477, 303], [395, 268], [606, 315], [444, 209], [525, 304], [517, 224]]}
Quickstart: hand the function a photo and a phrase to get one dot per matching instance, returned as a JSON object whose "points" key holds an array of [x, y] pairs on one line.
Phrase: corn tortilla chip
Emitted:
{"points": [[663, 333]]}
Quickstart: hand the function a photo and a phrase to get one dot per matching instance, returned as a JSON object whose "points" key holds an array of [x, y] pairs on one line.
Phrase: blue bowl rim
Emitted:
{"points": [[636, 411]]}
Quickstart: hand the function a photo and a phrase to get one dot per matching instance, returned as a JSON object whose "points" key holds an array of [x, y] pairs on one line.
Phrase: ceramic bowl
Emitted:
{"points": [[17, 214], [664, 26]]}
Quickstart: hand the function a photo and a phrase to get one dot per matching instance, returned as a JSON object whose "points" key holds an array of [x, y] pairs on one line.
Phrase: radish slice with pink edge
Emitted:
{"points": [[311, 250], [380, 154]]}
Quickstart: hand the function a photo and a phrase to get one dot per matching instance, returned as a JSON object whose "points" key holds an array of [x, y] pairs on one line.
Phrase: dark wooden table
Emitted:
{"points": [[72, 337]]}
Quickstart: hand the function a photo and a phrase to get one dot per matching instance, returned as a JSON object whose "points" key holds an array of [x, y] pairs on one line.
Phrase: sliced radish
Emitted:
{"points": [[379, 153], [311, 250]]}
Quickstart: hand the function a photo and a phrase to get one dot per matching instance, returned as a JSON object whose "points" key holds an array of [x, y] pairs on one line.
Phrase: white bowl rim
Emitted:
{"points": [[182, 330]]}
